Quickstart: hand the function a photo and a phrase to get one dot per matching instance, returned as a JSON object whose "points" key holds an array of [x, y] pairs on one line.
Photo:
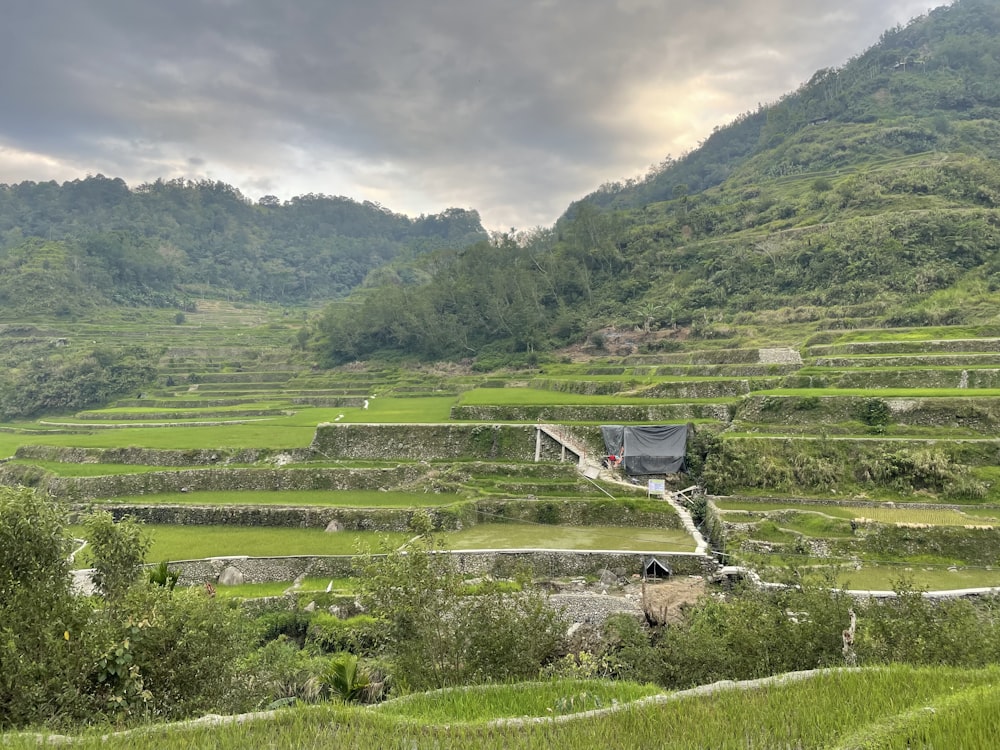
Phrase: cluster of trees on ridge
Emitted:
{"points": [[92, 241]]}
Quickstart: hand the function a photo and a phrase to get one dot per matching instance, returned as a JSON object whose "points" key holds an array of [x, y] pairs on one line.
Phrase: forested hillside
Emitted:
{"points": [[68, 249], [867, 197]]}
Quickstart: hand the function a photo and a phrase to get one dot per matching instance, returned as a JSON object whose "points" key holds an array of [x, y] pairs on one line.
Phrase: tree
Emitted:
{"points": [[41, 623], [439, 632], [118, 551]]}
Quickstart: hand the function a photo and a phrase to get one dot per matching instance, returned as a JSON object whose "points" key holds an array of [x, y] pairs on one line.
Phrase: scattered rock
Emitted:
{"points": [[608, 578], [334, 526], [230, 576]]}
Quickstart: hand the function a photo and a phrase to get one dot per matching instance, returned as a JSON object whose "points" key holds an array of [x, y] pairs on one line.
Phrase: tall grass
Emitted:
{"points": [[488, 702], [898, 707]]}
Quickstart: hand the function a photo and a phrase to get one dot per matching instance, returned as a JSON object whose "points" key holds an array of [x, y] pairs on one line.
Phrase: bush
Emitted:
{"points": [[118, 551], [42, 650], [362, 635], [149, 652], [437, 635], [187, 650]]}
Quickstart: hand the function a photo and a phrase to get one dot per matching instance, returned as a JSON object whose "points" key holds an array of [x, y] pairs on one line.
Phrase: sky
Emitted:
{"points": [[514, 108]]}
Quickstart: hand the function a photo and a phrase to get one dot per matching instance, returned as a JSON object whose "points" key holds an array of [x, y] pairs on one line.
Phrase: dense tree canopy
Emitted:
{"points": [[145, 246]]}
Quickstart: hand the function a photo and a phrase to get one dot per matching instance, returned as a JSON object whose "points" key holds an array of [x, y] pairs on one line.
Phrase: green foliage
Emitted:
{"points": [[190, 651], [774, 465], [346, 679], [282, 672], [361, 634], [197, 235], [155, 653], [164, 575], [73, 380], [438, 635], [117, 552], [875, 413], [41, 623], [754, 633]]}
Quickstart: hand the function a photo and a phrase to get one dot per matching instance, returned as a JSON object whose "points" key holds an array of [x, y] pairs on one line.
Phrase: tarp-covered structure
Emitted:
{"points": [[647, 449]]}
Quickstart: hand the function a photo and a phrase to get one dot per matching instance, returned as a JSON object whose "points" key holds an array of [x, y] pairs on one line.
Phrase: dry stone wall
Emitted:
{"points": [[152, 457], [610, 414], [85, 488], [498, 563], [449, 518], [981, 414], [342, 519], [429, 442]]}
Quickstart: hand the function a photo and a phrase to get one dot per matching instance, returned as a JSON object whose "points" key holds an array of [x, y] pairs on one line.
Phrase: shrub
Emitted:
{"points": [[345, 678], [438, 635], [118, 551], [188, 649], [875, 413], [361, 635], [42, 651]]}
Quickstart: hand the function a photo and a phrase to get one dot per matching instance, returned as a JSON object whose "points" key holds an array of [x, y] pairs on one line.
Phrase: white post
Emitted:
{"points": [[538, 444]]}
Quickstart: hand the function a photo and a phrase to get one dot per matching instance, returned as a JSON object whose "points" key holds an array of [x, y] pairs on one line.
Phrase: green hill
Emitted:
{"points": [[867, 197], [163, 242]]}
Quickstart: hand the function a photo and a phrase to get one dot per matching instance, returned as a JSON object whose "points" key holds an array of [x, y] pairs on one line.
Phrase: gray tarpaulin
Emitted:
{"points": [[648, 449]]}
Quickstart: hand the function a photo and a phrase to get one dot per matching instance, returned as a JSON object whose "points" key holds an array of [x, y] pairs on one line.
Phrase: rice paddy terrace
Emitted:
{"points": [[871, 453]]}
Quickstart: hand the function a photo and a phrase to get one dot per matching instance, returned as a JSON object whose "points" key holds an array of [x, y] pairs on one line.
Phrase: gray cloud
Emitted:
{"points": [[513, 108]]}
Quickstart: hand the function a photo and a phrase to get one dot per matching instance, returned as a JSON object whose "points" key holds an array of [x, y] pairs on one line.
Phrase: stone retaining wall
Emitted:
{"points": [[499, 563], [974, 345], [685, 389], [153, 457], [430, 442], [981, 414], [449, 518], [901, 378], [610, 414], [84, 488]]}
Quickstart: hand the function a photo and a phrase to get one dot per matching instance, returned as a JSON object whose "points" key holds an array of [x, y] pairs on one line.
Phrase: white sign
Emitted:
{"points": [[657, 487]]}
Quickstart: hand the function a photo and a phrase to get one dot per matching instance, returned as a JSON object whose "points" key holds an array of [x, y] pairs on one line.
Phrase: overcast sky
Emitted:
{"points": [[511, 107]]}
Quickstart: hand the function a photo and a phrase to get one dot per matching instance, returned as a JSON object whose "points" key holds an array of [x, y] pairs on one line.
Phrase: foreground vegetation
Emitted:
{"points": [[899, 707], [142, 651]]}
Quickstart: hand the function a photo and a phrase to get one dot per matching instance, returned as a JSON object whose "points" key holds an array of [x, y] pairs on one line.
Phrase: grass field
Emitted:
{"points": [[197, 542], [279, 588], [535, 536], [489, 702], [294, 431]]}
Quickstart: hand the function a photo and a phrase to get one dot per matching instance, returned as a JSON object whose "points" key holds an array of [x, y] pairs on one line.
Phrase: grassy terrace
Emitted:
{"points": [[897, 707], [881, 514], [536, 397], [207, 364], [195, 542], [885, 392]]}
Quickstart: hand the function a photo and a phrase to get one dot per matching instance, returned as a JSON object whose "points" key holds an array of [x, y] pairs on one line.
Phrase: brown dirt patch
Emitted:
{"points": [[665, 601]]}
